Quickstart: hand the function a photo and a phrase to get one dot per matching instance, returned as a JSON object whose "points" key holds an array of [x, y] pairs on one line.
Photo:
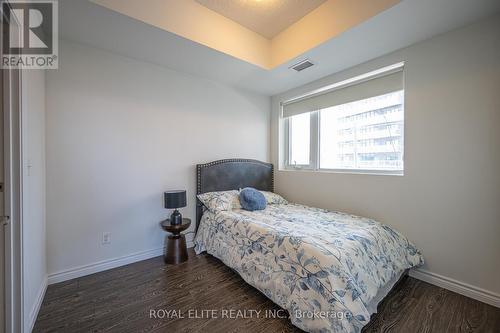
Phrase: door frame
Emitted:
{"points": [[13, 179]]}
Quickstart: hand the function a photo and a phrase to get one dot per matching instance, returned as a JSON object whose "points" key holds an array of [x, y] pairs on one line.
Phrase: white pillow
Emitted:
{"points": [[221, 200]]}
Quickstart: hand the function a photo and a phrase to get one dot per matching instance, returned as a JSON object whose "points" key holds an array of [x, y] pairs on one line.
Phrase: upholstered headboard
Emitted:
{"points": [[232, 174]]}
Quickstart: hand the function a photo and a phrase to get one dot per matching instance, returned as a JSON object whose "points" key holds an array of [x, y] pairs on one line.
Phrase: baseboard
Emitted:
{"points": [[104, 265], [462, 288], [36, 306]]}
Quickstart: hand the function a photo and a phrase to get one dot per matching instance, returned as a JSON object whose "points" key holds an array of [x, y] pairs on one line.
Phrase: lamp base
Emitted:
{"points": [[175, 218]]}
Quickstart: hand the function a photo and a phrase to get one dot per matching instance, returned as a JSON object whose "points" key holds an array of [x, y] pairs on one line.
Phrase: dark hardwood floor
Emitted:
{"points": [[121, 300]]}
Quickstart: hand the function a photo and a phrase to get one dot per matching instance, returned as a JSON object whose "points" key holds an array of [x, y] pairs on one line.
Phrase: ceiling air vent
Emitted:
{"points": [[300, 66]]}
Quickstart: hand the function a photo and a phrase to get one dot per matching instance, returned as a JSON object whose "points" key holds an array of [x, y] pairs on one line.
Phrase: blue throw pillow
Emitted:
{"points": [[251, 199]]}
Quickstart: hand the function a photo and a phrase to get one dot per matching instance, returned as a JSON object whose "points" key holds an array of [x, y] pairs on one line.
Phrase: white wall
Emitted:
{"points": [[34, 236], [119, 133], [448, 201]]}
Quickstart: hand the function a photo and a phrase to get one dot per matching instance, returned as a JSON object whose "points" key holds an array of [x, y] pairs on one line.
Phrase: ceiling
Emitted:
{"points": [[192, 20], [266, 17], [406, 23]]}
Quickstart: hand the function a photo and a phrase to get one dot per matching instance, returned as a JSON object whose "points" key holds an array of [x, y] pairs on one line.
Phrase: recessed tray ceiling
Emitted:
{"points": [[190, 19], [266, 17]]}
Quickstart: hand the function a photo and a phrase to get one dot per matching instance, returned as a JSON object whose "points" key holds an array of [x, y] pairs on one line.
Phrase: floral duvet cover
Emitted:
{"points": [[324, 267]]}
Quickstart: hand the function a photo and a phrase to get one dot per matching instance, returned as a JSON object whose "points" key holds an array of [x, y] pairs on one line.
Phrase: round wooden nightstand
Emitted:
{"points": [[176, 251]]}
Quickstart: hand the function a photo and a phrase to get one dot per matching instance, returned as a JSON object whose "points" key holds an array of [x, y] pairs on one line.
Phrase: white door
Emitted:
{"points": [[2, 201], [11, 202], [10, 196], [2, 213]]}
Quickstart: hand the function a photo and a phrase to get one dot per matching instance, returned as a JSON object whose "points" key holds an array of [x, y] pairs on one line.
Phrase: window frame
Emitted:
{"points": [[315, 142]]}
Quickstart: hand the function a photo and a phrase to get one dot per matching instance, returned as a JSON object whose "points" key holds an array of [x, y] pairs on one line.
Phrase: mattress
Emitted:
{"points": [[329, 270]]}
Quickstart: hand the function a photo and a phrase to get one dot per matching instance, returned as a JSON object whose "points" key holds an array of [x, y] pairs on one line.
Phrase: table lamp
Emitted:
{"points": [[173, 200]]}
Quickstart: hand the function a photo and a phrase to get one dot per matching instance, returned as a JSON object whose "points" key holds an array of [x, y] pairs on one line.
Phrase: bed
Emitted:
{"points": [[329, 270]]}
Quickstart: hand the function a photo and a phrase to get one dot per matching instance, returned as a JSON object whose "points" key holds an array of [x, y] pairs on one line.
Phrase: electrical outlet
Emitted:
{"points": [[106, 238]]}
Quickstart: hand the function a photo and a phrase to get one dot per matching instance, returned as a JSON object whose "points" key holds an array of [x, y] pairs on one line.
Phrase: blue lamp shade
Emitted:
{"points": [[175, 199]]}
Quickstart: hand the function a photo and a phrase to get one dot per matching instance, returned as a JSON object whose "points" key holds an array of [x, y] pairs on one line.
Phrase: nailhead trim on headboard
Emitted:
{"points": [[200, 167], [229, 160]]}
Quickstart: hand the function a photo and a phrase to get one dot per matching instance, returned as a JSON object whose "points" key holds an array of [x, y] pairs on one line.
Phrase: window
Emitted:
{"points": [[300, 139], [354, 128]]}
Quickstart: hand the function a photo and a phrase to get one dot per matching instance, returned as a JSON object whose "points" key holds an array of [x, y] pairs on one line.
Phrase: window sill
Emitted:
{"points": [[347, 171]]}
